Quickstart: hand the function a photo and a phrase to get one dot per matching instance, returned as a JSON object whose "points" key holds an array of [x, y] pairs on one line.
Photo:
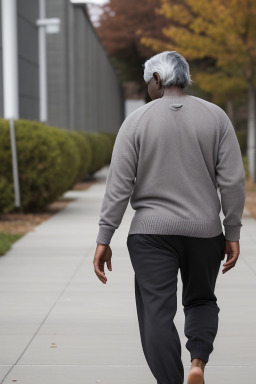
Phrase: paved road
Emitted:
{"points": [[60, 325]]}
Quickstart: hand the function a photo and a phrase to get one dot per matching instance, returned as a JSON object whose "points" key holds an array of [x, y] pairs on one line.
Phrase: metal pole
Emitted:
{"points": [[10, 81], [10, 59], [43, 115]]}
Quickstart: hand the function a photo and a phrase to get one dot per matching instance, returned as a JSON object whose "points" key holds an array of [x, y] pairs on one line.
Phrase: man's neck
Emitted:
{"points": [[174, 90]]}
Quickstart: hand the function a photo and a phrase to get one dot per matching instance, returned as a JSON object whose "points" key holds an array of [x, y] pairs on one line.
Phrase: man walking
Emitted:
{"points": [[170, 157]]}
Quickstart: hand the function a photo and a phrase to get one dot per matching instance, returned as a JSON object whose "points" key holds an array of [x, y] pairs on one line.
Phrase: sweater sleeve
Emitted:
{"points": [[119, 184], [230, 177]]}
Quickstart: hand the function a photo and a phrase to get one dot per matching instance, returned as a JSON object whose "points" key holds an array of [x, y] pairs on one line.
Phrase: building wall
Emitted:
{"points": [[28, 13], [83, 89], [58, 67]]}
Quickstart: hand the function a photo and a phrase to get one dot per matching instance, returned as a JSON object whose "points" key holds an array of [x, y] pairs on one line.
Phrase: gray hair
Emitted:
{"points": [[172, 68]]}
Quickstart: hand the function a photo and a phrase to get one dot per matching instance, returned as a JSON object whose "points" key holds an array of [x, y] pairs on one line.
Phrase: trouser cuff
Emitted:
{"points": [[203, 355]]}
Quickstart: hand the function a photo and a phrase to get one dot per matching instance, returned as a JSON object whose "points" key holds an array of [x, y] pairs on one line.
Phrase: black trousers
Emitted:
{"points": [[156, 260]]}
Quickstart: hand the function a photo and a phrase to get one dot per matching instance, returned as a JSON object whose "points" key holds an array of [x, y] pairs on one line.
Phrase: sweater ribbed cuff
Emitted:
{"points": [[232, 232], [105, 234]]}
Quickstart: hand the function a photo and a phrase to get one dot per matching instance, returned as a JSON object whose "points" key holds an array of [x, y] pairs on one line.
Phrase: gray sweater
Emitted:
{"points": [[169, 158]]}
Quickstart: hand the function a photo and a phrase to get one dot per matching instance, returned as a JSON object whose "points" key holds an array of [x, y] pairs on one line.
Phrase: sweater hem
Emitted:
{"points": [[166, 225]]}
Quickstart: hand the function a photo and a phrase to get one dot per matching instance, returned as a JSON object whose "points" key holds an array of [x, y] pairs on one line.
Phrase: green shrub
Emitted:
{"points": [[111, 135], [6, 195], [99, 151], [109, 143], [69, 159], [50, 161], [47, 161], [85, 153], [109, 147]]}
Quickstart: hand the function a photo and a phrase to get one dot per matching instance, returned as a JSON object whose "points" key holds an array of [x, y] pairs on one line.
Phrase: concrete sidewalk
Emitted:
{"points": [[60, 325]]}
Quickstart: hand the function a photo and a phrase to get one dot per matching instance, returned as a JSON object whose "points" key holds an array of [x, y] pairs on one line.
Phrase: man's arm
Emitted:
{"points": [[230, 177], [119, 184]]}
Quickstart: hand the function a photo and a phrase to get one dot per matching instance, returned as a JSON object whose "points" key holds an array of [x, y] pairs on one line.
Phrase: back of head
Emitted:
{"points": [[172, 68]]}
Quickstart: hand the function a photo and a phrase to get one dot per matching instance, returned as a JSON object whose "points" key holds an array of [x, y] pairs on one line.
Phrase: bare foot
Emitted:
{"points": [[196, 374]]}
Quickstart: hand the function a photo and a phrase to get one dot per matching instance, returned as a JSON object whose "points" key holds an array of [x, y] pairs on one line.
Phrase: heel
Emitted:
{"points": [[196, 376]]}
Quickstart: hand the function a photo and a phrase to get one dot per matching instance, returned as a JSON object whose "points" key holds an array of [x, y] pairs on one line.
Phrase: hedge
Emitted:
{"points": [[85, 153], [50, 161], [6, 195], [110, 143], [99, 144]]}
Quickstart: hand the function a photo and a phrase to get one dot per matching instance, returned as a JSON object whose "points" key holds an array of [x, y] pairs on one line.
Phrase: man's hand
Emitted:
{"points": [[103, 254], [232, 249]]}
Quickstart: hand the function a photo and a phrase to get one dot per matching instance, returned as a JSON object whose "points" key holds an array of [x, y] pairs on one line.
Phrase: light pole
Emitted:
{"points": [[10, 59], [46, 26], [10, 82]]}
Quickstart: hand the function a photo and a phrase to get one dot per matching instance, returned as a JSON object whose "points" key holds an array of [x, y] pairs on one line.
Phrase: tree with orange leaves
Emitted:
{"points": [[221, 30]]}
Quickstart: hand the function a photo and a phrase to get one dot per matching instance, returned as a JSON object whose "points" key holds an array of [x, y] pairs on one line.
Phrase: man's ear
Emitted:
{"points": [[157, 79]]}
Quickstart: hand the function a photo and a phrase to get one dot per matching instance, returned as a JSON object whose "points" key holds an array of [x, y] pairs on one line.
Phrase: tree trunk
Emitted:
{"points": [[251, 136]]}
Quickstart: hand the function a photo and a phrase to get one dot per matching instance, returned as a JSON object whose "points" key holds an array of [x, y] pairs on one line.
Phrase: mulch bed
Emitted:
{"points": [[21, 223]]}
